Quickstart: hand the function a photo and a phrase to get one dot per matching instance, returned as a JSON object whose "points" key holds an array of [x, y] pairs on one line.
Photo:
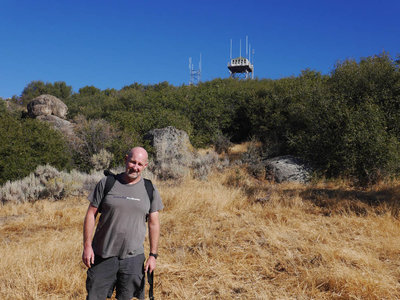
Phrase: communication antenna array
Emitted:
{"points": [[195, 75], [241, 67]]}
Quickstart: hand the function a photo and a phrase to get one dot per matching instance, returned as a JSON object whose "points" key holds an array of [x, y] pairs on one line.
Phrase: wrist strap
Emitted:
{"points": [[155, 255], [150, 281]]}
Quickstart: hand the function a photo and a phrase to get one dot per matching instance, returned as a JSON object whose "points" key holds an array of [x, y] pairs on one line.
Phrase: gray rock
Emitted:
{"points": [[288, 169], [66, 127], [46, 105], [173, 152], [53, 111]]}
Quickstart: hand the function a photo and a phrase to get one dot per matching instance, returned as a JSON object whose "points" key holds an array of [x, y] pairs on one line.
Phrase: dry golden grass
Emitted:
{"points": [[228, 238], [237, 150]]}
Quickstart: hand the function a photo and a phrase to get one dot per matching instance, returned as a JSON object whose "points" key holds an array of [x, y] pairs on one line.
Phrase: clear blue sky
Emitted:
{"points": [[110, 44]]}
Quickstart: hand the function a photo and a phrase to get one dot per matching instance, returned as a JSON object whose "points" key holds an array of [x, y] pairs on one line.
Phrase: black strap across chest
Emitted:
{"points": [[110, 181]]}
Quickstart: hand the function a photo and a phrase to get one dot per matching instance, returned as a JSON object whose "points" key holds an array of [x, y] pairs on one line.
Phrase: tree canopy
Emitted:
{"points": [[346, 123]]}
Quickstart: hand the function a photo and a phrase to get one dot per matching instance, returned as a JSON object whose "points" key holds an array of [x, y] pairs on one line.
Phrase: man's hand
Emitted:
{"points": [[88, 256], [150, 264]]}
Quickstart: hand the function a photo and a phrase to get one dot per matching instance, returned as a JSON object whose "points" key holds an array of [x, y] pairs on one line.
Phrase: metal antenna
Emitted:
{"points": [[247, 48], [230, 57], [252, 73], [249, 52], [199, 69]]}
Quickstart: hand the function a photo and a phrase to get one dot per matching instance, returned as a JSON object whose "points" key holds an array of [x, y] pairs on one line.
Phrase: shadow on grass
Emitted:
{"points": [[353, 201]]}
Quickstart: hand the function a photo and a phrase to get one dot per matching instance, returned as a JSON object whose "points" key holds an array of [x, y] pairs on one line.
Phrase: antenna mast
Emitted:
{"points": [[195, 75], [230, 56], [199, 69], [247, 47]]}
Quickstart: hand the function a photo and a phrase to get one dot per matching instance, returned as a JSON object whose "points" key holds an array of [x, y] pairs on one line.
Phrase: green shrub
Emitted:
{"points": [[348, 141], [26, 144], [34, 89]]}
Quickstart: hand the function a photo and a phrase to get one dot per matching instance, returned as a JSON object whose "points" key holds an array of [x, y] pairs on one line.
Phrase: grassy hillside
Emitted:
{"points": [[230, 237]]}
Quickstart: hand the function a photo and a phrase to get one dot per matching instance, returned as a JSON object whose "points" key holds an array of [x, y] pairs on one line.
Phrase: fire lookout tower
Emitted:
{"points": [[241, 67]]}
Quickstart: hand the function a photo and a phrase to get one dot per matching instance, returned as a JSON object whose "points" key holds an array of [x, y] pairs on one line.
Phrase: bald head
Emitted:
{"points": [[139, 151]]}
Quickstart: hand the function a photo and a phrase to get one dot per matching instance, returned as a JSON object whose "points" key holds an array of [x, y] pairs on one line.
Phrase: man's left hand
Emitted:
{"points": [[150, 264]]}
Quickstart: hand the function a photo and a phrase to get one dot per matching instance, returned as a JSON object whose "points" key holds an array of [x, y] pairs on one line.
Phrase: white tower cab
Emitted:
{"points": [[241, 67]]}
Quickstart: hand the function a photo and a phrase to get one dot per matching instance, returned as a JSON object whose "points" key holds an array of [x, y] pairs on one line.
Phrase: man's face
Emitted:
{"points": [[135, 163]]}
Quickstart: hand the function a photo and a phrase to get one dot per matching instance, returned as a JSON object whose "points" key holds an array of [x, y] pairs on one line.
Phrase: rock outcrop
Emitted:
{"points": [[46, 105], [66, 127], [173, 152], [287, 169], [53, 111]]}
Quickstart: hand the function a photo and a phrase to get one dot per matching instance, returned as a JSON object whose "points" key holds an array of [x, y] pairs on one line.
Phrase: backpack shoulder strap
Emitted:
{"points": [[108, 186], [149, 188], [110, 181]]}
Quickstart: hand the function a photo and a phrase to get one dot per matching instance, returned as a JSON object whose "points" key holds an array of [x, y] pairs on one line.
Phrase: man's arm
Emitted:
{"points": [[88, 229], [154, 235]]}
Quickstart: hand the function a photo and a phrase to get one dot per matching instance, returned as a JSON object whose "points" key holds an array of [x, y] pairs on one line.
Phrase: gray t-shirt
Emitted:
{"points": [[122, 225]]}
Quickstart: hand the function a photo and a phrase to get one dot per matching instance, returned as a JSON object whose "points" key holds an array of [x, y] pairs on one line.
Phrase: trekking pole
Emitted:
{"points": [[150, 281]]}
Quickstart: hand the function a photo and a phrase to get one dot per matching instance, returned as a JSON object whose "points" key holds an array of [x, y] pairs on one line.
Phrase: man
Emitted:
{"points": [[115, 256]]}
